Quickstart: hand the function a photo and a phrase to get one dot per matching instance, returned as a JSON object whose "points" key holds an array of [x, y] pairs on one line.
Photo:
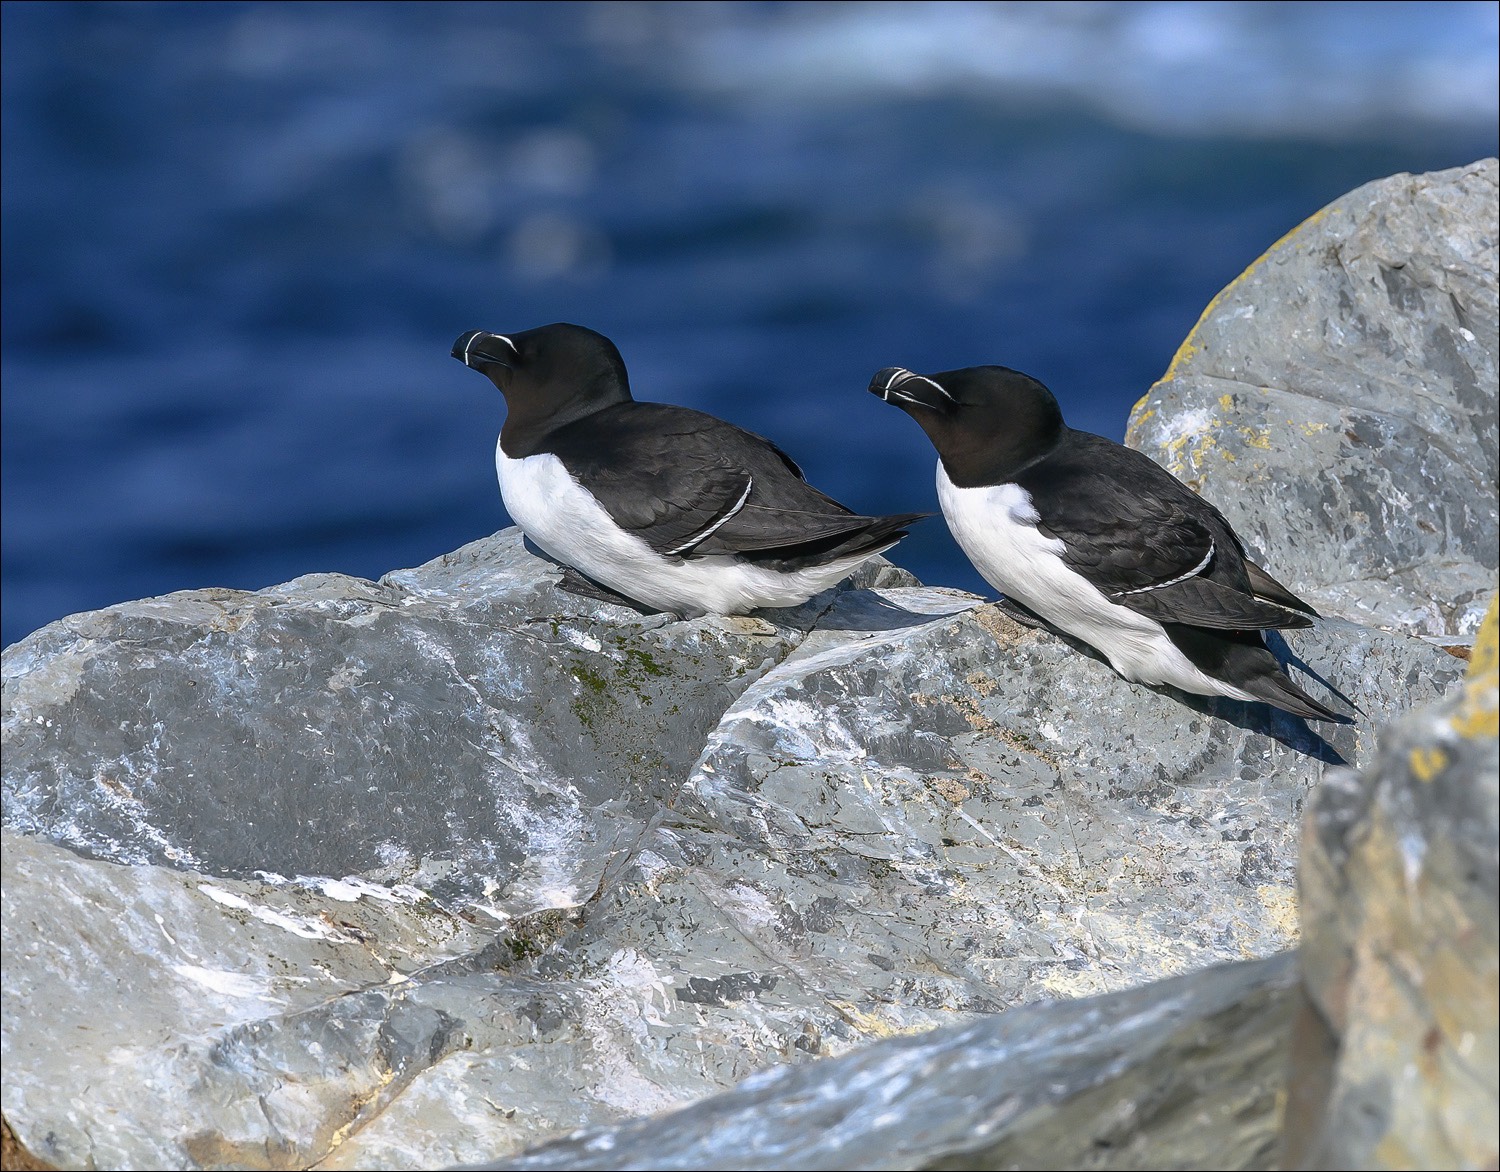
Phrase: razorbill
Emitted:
{"points": [[1099, 540], [674, 509]]}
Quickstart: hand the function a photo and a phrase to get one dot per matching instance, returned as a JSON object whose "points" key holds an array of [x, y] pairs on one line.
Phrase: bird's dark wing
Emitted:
{"points": [[688, 483], [1242, 658], [1266, 587], [1201, 602], [1145, 540]]}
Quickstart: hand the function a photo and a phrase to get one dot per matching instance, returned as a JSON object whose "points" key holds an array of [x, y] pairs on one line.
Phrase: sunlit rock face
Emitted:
{"points": [[435, 869], [1373, 1047], [1180, 1073], [1399, 880], [1338, 403], [521, 861]]}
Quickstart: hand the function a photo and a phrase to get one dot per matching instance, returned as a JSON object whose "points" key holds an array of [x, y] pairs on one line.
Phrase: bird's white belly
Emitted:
{"points": [[996, 526], [564, 519]]}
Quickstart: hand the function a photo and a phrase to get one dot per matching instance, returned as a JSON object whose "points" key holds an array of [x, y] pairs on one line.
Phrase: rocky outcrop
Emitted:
{"points": [[1338, 403], [1183, 1073], [1400, 905], [435, 869], [1381, 1042], [523, 862], [464, 728]]}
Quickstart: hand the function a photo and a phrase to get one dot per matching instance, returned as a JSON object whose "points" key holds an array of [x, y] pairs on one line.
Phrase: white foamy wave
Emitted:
{"points": [[1310, 69]]}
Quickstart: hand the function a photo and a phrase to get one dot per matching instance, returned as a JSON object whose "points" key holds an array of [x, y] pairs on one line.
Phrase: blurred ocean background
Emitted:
{"points": [[240, 239]]}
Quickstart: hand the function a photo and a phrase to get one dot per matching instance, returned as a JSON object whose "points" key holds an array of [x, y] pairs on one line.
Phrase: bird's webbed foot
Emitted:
{"points": [[1023, 614]]}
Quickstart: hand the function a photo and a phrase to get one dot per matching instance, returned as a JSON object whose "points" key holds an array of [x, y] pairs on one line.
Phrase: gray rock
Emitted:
{"points": [[158, 1018], [1401, 901], [1338, 402], [463, 727], [430, 870], [1183, 1073], [426, 871]]}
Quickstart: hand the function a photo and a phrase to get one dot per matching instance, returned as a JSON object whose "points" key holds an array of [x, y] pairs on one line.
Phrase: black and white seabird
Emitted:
{"points": [[672, 508], [1100, 541]]}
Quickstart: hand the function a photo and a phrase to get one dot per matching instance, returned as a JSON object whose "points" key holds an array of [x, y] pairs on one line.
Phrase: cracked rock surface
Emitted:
{"points": [[1372, 1047], [426, 871]]}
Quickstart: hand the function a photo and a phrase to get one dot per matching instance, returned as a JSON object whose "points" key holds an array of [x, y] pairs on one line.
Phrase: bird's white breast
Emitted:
{"points": [[559, 514], [563, 517], [996, 525]]}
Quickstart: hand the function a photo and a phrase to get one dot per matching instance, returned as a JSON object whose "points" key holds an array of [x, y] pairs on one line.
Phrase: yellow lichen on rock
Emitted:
{"points": [[1191, 344], [1485, 659]]}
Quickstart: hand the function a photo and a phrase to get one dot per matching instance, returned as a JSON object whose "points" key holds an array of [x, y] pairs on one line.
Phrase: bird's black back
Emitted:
{"points": [[667, 472]]}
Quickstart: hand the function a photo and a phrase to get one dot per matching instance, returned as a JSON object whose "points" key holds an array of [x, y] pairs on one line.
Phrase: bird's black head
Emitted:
{"points": [[986, 422], [549, 376]]}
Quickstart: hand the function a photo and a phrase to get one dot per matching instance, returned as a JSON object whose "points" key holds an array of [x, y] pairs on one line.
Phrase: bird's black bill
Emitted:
{"points": [[897, 385], [479, 349]]}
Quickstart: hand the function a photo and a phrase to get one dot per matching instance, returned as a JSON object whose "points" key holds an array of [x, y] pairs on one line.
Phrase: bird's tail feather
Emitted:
{"points": [[870, 536], [1266, 587], [1242, 660], [1275, 689]]}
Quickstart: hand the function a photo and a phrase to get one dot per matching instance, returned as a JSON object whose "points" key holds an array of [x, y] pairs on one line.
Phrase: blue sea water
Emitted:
{"points": [[239, 239]]}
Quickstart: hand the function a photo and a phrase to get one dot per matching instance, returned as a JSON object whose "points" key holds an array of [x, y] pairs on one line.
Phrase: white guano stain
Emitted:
{"points": [[1187, 424], [351, 889], [222, 981], [581, 639], [306, 927], [628, 1011], [748, 906]]}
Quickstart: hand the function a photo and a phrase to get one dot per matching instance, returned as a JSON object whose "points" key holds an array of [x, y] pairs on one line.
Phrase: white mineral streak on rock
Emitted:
{"points": [[351, 888], [750, 907], [306, 927], [617, 1024], [227, 983]]}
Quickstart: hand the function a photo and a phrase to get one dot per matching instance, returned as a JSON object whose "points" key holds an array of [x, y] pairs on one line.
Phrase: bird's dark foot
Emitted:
{"points": [[1022, 614], [575, 583]]}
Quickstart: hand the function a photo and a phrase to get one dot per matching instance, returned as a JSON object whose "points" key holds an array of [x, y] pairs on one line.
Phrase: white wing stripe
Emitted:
{"points": [[705, 534], [1194, 572]]}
